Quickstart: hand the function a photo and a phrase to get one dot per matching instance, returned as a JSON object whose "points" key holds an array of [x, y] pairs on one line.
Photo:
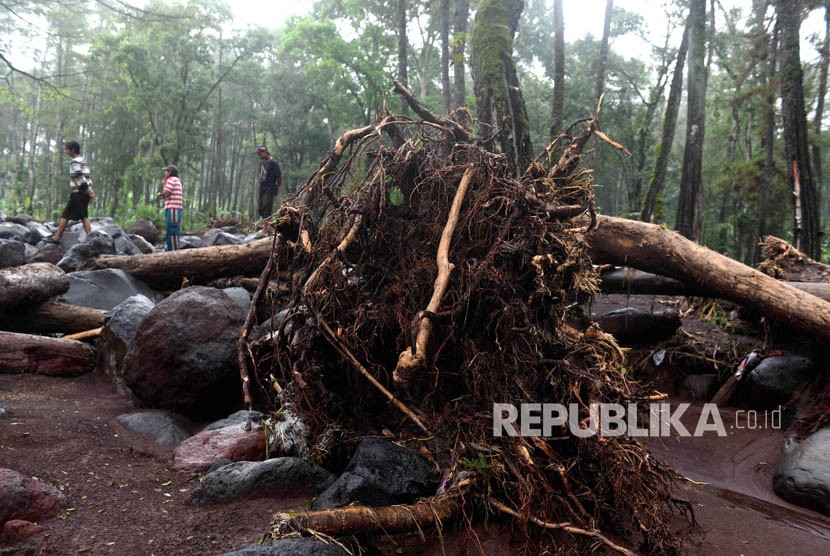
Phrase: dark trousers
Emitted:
{"points": [[266, 204], [173, 218]]}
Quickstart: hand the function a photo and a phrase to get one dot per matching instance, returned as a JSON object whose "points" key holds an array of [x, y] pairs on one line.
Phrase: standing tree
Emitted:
{"points": [[459, 41], [658, 178], [806, 235], [558, 104], [501, 108], [689, 207]]}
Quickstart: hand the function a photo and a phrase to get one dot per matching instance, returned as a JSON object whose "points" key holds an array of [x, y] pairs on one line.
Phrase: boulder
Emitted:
{"points": [[143, 245], [12, 253], [21, 219], [775, 379], [300, 546], [16, 530], [104, 289], [118, 337], [803, 474], [219, 237], [184, 357], [96, 243], [235, 443], [287, 476], [238, 418], [145, 229], [241, 297], [166, 428], [379, 474], [17, 232], [28, 499]]}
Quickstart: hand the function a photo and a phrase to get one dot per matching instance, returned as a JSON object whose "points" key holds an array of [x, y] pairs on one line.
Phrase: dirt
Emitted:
{"points": [[124, 500]]}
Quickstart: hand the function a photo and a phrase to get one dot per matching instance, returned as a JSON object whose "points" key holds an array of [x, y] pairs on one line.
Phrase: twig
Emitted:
{"points": [[411, 359], [85, 334], [455, 129], [355, 227], [338, 345], [564, 526]]}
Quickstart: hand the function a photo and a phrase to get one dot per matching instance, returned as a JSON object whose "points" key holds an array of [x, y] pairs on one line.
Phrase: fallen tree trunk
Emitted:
{"points": [[169, 269], [353, 520], [654, 249], [24, 353], [30, 283], [52, 316], [637, 282], [785, 262]]}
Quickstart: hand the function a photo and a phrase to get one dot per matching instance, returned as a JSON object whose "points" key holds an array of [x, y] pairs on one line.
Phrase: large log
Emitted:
{"points": [[169, 269], [52, 316], [24, 353], [634, 282], [655, 249], [30, 283]]}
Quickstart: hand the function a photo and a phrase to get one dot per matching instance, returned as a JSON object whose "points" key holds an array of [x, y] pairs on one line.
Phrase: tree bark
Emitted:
{"points": [[400, 23], [690, 202], [30, 283], [558, 104], [446, 90], [43, 355], [661, 166], [799, 172], [371, 521], [459, 40], [168, 269], [654, 249], [602, 62], [501, 107], [52, 316]]}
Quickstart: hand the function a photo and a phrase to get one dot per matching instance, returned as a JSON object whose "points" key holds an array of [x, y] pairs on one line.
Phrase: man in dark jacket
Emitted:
{"points": [[270, 180]]}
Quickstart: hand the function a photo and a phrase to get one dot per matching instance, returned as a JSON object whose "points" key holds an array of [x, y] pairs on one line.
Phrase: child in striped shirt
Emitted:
{"points": [[172, 194]]}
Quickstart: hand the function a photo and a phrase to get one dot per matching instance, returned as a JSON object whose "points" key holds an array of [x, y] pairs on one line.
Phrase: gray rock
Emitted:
{"points": [[775, 379], [273, 477], [220, 237], [146, 230], [12, 253], [165, 428], [104, 289], [143, 245], [118, 337], [291, 547], [96, 243], [701, 387], [236, 418], [380, 473], [240, 296], [803, 475], [17, 232]]}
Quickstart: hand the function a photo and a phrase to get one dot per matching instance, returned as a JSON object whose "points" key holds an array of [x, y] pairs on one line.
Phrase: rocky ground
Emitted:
{"points": [[125, 500]]}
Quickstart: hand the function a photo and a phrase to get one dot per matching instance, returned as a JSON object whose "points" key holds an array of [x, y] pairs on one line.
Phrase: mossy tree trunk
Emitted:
{"points": [[501, 108]]}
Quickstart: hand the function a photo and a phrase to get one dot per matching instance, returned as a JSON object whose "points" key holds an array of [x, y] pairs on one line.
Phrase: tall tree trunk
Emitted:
{"points": [[799, 172], [501, 108], [558, 105], [459, 41], [820, 94], [689, 207], [658, 178], [602, 62], [446, 92], [401, 21], [30, 162]]}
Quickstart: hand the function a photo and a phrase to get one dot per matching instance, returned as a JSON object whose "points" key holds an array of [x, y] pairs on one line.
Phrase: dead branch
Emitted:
{"points": [[565, 526], [353, 520], [452, 127], [414, 358]]}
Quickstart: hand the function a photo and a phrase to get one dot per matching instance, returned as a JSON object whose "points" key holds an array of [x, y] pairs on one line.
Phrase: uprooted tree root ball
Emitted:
{"points": [[431, 282]]}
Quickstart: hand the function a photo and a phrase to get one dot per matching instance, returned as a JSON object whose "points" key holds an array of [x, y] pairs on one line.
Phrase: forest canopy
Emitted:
{"points": [[142, 85]]}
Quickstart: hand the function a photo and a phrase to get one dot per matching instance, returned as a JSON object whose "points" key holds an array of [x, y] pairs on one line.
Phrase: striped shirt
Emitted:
{"points": [[173, 186], [78, 173]]}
